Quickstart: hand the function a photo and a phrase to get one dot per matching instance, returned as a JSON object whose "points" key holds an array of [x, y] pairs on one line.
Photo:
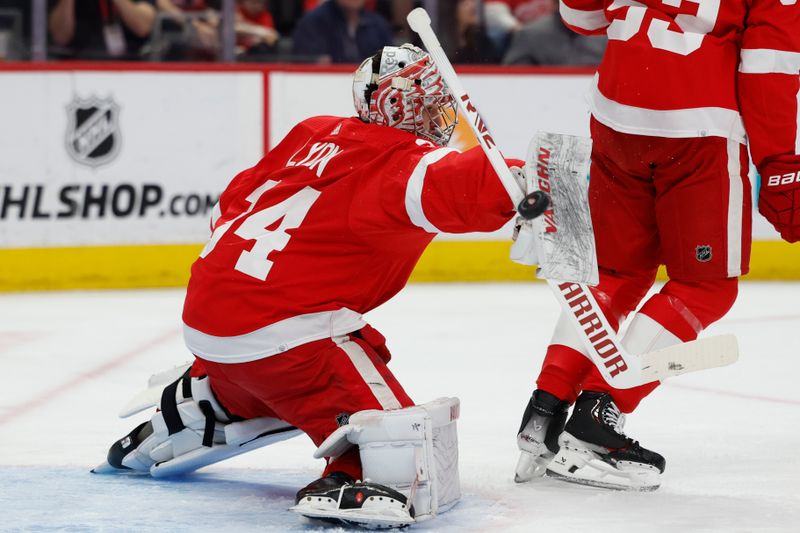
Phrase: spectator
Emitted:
{"points": [[255, 29], [505, 17], [472, 44], [396, 11], [286, 13], [177, 8], [340, 31], [202, 41], [102, 28], [15, 29], [547, 41], [522, 11]]}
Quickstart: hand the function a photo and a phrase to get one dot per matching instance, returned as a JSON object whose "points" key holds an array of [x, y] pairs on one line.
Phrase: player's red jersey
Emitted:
{"points": [[670, 69], [326, 227]]}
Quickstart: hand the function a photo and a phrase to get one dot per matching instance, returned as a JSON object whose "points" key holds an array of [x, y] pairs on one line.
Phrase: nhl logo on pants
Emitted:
{"points": [[703, 253]]}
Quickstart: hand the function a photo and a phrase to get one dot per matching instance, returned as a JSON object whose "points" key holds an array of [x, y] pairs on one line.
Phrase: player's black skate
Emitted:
{"points": [[537, 439], [337, 498], [123, 447], [594, 451]]}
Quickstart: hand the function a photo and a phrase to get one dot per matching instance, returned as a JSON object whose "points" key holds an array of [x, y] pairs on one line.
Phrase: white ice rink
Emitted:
{"points": [[69, 361]]}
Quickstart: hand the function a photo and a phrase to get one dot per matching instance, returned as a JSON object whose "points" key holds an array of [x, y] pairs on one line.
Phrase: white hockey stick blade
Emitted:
{"points": [[708, 352]]}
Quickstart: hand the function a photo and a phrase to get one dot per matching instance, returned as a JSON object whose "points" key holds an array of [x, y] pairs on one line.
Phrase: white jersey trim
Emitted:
{"points": [[273, 339], [216, 212], [797, 130], [586, 20], [735, 209], [414, 188], [676, 123], [366, 369], [766, 61]]}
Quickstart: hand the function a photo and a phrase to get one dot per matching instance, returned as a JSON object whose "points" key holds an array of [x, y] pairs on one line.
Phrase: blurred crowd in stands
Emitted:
{"points": [[511, 32]]}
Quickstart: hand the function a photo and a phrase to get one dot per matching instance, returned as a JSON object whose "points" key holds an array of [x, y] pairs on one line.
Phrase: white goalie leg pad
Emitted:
{"points": [[577, 462], [240, 437], [412, 450], [182, 424], [192, 430], [151, 396]]}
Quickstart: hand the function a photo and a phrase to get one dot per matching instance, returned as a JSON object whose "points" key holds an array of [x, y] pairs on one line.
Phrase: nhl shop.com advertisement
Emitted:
{"points": [[95, 165]]}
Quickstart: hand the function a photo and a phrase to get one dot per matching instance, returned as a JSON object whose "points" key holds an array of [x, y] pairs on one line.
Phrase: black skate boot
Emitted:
{"points": [[123, 447], [537, 439], [594, 451], [337, 498]]}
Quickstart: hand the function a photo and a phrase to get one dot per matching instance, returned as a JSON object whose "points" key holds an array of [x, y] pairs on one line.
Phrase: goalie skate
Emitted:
{"points": [[594, 451], [340, 500]]}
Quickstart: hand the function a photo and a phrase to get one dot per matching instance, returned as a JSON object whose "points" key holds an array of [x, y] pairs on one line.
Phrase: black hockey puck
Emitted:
{"points": [[533, 205]]}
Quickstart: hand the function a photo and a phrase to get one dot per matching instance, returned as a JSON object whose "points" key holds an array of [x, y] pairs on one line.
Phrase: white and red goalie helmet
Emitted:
{"points": [[400, 87]]}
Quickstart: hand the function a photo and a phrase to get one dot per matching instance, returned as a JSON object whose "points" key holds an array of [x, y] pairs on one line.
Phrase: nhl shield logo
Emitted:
{"points": [[703, 253], [93, 136]]}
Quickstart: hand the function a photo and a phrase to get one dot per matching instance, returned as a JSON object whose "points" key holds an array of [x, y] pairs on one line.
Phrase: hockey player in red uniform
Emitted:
{"points": [[680, 84], [326, 227]]}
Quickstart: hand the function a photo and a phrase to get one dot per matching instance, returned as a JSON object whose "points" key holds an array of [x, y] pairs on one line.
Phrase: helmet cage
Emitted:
{"points": [[435, 117]]}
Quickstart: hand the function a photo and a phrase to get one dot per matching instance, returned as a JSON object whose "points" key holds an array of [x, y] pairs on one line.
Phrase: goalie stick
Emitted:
{"points": [[618, 367]]}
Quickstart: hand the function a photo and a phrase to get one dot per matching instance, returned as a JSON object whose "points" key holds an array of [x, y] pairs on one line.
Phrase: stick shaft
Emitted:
{"points": [[422, 26]]}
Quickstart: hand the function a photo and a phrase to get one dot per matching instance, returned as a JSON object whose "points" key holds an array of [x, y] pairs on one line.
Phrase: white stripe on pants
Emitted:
{"points": [[370, 375], [735, 209]]}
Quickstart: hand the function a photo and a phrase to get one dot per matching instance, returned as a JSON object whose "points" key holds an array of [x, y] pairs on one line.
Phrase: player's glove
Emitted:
{"points": [[779, 196], [533, 205]]}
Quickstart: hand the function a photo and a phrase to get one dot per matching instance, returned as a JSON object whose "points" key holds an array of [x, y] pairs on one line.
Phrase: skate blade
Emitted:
{"points": [[530, 466], [107, 469], [596, 483], [355, 517]]}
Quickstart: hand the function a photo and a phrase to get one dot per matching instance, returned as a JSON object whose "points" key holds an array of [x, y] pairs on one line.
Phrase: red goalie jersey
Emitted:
{"points": [[643, 86], [326, 227]]}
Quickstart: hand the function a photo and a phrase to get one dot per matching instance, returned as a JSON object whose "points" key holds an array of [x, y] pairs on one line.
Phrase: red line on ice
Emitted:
{"points": [[15, 338], [15, 411], [720, 392]]}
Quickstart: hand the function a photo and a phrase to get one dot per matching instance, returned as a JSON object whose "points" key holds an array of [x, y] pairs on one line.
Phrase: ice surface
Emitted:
{"points": [[69, 361]]}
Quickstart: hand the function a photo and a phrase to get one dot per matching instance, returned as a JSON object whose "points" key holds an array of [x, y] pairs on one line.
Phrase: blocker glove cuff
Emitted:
{"points": [[779, 196]]}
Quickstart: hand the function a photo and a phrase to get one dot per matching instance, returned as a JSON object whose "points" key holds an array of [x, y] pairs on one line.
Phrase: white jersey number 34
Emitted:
{"points": [[290, 212], [693, 27]]}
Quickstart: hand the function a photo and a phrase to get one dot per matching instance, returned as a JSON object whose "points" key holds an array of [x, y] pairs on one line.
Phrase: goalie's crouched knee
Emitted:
{"points": [[412, 450]]}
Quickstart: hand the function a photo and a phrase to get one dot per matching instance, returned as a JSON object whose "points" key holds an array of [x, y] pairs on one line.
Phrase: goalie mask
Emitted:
{"points": [[400, 87]]}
